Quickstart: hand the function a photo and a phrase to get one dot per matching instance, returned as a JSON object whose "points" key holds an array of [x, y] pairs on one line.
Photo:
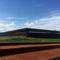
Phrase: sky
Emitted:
{"points": [[39, 14]]}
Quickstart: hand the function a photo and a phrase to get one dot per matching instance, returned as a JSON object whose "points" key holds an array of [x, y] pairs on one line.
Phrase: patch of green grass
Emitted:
{"points": [[27, 39]]}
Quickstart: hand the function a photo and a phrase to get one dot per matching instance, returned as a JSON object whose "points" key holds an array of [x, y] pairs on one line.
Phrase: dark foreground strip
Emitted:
{"points": [[6, 52], [31, 43]]}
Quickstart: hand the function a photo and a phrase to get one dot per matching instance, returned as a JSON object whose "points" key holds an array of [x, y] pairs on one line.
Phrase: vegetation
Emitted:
{"points": [[23, 39]]}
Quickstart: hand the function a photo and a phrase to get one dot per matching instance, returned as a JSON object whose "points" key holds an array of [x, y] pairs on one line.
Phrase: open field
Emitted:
{"points": [[30, 51], [27, 39]]}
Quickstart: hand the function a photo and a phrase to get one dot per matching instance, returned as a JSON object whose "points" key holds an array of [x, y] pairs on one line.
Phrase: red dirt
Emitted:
{"points": [[24, 46], [40, 53]]}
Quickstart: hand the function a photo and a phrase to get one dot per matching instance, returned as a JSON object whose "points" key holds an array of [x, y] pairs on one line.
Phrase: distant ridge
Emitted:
{"points": [[25, 29], [32, 32]]}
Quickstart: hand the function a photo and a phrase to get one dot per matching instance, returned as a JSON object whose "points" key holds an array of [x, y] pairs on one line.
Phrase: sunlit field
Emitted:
{"points": [[22, 39]]}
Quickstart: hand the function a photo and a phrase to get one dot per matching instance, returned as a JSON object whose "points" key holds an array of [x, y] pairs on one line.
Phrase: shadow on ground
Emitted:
{"points": [[56, 58], [28, 43], [6, 52]]}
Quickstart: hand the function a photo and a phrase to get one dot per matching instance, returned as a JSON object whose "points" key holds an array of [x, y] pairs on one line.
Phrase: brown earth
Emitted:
{"points": [[30, 52]]}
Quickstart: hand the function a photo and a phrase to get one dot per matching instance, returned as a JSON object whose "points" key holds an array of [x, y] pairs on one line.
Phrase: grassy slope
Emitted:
{"points": [[25, 39]]}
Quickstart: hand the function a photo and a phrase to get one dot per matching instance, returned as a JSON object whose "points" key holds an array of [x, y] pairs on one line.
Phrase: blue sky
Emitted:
{"points": [[41, 14]]}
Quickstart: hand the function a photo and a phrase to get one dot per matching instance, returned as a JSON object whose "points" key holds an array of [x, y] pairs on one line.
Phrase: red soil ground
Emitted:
{"points": [[30, 52]]}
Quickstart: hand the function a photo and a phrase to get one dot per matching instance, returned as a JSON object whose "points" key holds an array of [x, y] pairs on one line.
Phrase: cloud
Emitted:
{"points": [[49, 23], [13, 18], [10, 23], [55, 13], [5, 26]]}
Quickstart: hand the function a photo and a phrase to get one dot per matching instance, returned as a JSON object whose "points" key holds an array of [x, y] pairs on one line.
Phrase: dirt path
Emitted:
{"points": [[30, 52], [26, 46]]}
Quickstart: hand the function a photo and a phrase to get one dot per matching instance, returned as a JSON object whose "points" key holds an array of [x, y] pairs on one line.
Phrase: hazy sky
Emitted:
{"points": [[41, 14]]}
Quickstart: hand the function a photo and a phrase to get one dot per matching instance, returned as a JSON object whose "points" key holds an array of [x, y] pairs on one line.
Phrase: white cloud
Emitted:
{"points": [[5, 26], [13, 18], [55, 13], [49, 23], [9, 23]]}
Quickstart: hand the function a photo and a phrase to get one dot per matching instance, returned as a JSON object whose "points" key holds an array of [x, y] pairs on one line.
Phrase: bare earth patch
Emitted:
{"points": [[30, 52]]}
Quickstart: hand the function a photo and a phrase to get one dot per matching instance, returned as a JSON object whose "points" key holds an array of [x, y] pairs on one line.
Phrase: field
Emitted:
{"points": [[17, 51], [22, 39], [30, 51]]}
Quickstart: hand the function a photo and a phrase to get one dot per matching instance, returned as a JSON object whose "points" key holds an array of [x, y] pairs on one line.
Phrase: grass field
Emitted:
{"points": [[22, 39]]}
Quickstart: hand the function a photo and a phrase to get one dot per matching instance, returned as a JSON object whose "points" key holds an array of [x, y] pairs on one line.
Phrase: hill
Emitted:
{"points": [[30, 32]]}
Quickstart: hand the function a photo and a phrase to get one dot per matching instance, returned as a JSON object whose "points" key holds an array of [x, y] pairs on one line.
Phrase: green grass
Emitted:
{"points": [[22, 39]]}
